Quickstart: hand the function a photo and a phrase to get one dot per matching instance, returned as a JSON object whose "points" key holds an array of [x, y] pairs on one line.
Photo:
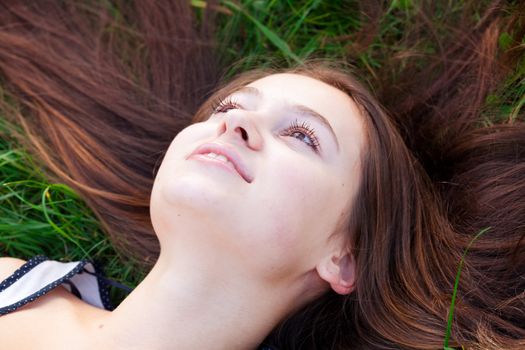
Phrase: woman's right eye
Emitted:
{"points": [[224, 106]]}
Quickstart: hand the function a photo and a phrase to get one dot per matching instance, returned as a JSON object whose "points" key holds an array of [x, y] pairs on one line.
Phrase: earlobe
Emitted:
{"points": [[339, 272]]}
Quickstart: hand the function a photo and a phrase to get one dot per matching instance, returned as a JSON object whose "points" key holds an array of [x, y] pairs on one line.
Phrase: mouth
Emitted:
{"points": [[225, 155]]}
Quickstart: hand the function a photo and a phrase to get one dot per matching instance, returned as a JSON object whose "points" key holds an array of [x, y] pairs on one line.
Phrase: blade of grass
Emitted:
{"points": [[514, 114], [45, 194], [454, 293], [304, 14], [268, 33]]}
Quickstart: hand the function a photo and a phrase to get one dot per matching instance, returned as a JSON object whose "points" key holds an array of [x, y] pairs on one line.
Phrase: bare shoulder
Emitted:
{"points": [[8, 266], [53, 320]]}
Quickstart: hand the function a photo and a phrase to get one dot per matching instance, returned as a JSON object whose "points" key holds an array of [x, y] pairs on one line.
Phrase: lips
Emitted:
{"points": [[225, 154]]}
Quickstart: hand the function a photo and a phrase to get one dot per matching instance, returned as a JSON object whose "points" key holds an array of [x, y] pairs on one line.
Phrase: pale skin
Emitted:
{"points": [[236, 256]]}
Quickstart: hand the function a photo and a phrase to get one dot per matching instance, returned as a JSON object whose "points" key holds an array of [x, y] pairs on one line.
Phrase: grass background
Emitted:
{"points": [[38, 217]]}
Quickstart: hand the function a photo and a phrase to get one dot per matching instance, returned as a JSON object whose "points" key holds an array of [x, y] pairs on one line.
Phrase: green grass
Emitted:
{"points": [[39, 217], [450, 320]]}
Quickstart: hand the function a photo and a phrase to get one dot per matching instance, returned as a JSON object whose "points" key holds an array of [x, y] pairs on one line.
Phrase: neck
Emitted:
{"points": [[197, 304]]}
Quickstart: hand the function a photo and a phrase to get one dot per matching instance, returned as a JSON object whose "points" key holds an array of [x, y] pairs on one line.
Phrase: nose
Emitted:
{"points": [[240, 127]]}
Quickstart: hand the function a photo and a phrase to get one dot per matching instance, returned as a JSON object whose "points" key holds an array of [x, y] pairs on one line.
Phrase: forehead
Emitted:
{"points": [[300, 88]]}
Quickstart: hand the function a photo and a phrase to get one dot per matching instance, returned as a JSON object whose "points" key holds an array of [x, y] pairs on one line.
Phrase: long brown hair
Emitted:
{"points": [[100, 97], [432, 176]]}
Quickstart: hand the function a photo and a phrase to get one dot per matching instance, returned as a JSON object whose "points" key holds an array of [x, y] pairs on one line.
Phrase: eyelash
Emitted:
{"points": [[224, 105], [305, 129], [219, 106]]}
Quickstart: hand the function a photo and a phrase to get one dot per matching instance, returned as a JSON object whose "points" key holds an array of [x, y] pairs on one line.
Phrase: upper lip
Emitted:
{"points": [[230, 153]]}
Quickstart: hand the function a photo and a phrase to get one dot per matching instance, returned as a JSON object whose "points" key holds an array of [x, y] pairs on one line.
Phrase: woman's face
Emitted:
{"points": [[266, 179]]}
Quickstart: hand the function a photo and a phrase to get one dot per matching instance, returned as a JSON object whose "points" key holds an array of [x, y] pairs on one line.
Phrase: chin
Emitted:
{"points": [[204, 195]]}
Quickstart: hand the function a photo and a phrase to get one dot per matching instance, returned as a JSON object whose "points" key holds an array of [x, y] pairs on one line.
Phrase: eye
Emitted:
{"points": [[224, 105], [304, 133]]}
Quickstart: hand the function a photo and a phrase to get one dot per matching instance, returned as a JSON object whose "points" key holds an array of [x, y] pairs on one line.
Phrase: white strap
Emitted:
{"points": [[34, 280]]}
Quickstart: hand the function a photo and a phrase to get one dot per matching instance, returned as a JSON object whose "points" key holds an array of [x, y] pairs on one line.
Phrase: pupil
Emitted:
{"points": [[301, 137]]}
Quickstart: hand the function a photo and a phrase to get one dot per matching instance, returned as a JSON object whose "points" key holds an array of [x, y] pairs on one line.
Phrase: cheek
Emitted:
{"points": [[188, 138], [296, 213]]}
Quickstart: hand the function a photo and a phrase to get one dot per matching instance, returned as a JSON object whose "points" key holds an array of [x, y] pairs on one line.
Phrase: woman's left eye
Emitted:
{"points": [[304, 133]]}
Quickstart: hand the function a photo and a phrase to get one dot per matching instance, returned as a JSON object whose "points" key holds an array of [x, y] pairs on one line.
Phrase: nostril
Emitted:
{"points": [[244, 134]]}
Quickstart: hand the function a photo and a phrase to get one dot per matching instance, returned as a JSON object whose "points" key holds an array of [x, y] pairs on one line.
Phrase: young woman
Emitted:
{"points": [[294, 211]]}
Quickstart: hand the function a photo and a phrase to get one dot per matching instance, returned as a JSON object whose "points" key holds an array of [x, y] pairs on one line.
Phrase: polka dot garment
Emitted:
{"points": [[40, 275]]}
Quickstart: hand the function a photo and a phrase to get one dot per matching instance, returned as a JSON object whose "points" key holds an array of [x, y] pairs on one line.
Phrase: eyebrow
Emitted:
{"points": [[299, 109]]}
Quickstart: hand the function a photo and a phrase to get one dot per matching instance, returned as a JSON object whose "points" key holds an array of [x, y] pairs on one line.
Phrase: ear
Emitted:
{"points": [[339, 272]]}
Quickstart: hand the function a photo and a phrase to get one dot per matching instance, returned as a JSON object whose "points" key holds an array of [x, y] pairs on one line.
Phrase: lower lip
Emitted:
{"points": [[224, 165]]}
